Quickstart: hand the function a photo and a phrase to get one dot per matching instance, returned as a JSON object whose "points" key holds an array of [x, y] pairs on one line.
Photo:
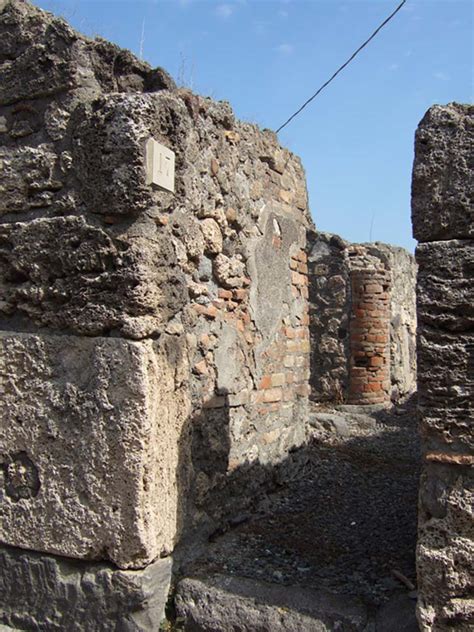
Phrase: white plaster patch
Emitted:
{"points": [[160, 165]]}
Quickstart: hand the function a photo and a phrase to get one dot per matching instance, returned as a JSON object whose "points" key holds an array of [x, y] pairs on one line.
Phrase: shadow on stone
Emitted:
{"points": [[310, 543]]}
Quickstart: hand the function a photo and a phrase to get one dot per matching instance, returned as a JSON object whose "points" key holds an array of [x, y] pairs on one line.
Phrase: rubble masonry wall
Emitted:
{"points": [[155, 346], [349, 321]]}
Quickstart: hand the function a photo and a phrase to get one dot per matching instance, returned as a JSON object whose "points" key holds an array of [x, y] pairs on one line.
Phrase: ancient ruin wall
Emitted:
{"points": [[443, 223], [155, 345], [344, 318], [330, 300], [403, 271]]}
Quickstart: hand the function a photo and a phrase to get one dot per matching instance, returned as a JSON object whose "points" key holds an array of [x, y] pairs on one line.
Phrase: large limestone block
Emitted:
{"points": [[89, 445], [44, 592], [445, 291], [446, 548], [67, 274], [446, 388], [442, 185]]}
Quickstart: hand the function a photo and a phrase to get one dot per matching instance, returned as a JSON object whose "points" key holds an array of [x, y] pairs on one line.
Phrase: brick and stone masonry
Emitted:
{"points": [[154, 344], [362, 341], [443, 224]]}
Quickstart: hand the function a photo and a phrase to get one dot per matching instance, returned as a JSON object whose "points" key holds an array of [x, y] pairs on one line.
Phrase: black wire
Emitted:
{"points": [[343, 66]]}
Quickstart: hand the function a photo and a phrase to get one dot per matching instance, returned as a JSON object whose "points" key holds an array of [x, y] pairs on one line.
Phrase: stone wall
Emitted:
{"points": [[443, 223], [155, 345], [403, 271], [350, 325], [330, 301]]}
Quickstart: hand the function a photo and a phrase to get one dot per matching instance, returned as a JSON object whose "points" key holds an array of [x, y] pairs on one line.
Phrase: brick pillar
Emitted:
{"points": [[369, 364]]}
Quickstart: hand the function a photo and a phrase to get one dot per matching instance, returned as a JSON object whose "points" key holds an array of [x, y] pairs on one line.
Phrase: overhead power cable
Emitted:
{"points": [[343, 65]]}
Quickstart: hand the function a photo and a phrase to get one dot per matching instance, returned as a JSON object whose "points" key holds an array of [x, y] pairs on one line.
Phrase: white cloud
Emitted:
{"points": [[394, 66], [442, 76], [282, 13], [285, 49], [224, 11]]}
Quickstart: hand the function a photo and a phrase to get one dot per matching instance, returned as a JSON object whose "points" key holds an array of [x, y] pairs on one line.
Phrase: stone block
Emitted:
{"points": [[44, 592], [446, 389], [90, 441], [88, 283], [42, 57], [446, 548], [447, 430], [28, 179], [445, 292], [109, 142], [227, 603], [38, 59], [442, 185]]}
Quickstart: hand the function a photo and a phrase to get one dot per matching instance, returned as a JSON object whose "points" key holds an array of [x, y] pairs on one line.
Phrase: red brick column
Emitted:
{"points": [[369, 364]]}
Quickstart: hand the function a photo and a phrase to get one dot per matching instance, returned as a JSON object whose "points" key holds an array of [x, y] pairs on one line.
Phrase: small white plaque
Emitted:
{"points": [[159, 165]]}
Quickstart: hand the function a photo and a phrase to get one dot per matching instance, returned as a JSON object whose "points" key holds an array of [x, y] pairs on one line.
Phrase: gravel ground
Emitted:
{"points": [[347, 518]]}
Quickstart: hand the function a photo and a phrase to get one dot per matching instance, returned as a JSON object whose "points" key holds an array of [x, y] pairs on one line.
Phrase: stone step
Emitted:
{"points": [[222, 603]]}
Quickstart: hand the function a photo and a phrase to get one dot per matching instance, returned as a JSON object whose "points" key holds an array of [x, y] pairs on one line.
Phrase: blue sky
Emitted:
{"points": [[268, 56]]}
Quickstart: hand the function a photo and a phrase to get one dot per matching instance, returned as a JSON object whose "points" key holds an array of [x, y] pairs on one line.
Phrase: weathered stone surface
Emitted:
{"points": [[344, 425], [33, 69], [442, 185], [268, 265], [28, 179], [445, 295], [446, 390], [212, 236], [443, 217], [108, 149], [446, 548], [89, 445], [334, 330], [44, 592], [98, 251], [132, 445], [42, 57], [225, 604], [329, 293], [89, 282]]}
